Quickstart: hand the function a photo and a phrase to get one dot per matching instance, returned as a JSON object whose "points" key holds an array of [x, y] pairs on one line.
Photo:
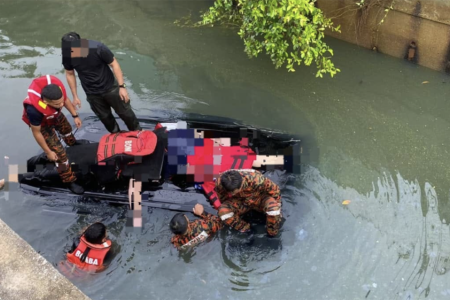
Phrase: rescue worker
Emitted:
{"points": [[243, 190], [192, 233], [105, 89], [42, 112], [90, 249]]}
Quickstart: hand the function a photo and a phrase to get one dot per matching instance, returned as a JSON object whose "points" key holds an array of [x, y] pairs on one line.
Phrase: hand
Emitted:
{"points": [[124, 95], [77, 122], [198, 209], [52, 156], [76, 102]]}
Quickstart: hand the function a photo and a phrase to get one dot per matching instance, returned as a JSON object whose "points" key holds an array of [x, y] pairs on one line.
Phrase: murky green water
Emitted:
{"points": [[375, 135]]}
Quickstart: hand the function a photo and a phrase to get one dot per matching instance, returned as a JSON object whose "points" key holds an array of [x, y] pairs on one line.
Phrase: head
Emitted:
{"points": [[179, 224], [231, 181], [96, 233], [74, 46], [52, 95]]}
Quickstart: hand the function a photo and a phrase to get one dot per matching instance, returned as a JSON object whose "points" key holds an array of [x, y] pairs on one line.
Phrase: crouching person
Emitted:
{"points": [[243, 190], [89, 251], [189, 233]]}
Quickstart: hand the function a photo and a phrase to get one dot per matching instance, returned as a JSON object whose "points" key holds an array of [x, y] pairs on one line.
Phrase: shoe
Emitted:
{"points": [[76, 188]]}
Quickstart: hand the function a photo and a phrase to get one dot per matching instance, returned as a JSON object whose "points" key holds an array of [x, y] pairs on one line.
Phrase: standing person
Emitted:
{"points": [[243, 190], [42, 112], [92, 61]]}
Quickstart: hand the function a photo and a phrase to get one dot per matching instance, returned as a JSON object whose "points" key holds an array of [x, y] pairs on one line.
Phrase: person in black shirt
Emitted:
{"points": [[104, 89]]}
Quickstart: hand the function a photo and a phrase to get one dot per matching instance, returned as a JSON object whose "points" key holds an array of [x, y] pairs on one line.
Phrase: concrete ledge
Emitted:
{"points": [[24, 274]]}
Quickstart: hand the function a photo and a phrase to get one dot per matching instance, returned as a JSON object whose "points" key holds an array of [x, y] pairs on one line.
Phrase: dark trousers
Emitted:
{"points": [[65, 130], [101, 105]]}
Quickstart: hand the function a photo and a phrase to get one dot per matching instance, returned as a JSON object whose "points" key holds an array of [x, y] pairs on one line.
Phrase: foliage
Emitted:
{"points": [[289, 31]]}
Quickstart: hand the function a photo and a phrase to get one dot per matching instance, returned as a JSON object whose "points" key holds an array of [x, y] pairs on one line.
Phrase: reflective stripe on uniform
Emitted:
{"points": [[240, 170], [274, 213], [66, 163], [227, 216], [34, 92], [199, 238], [49, 81]]}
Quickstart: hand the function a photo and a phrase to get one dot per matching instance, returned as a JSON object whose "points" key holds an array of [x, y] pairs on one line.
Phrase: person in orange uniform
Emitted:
{"points": [[188, 234], [243, 190], [42, 113]]}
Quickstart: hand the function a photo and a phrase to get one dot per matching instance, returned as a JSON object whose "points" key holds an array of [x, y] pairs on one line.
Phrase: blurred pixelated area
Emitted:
{"points": [[202, 155]]}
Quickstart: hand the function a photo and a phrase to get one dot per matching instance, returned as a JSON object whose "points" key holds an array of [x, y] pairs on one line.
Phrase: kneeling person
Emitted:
{"points": [[192, 233], [243, 190]]}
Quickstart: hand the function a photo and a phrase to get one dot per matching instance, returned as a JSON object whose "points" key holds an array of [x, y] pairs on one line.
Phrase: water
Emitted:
{"points": [[375, 135]]}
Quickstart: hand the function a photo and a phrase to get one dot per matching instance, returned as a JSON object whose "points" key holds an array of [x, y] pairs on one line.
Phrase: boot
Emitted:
{"points": [[75, 188]]}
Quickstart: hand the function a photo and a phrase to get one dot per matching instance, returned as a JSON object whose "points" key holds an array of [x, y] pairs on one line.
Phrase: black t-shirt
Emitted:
{"points": [[34, 115], [94, 72]]}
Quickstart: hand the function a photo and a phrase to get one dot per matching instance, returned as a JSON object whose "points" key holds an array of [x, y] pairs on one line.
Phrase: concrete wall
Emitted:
{"points": [[24, 274], [426, 22]]}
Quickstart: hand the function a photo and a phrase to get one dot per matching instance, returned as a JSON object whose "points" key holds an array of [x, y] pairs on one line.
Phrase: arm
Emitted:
{"points": [[119, 76], [75, 243], [117, 71], [265, 186], [68, 105], [72, 81], [213, 223], [40, 138]]}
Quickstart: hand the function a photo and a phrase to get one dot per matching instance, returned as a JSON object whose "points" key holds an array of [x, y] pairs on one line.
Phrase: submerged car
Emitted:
{"points": [[174, 156]]}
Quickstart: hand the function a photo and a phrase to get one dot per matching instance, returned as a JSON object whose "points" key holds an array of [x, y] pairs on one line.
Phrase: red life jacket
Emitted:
{"points": [[95, 256], [34, 99], [133, 143], [211, 194]]}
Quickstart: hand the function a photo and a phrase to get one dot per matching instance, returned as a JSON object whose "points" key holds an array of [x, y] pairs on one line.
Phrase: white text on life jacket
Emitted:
{"points": [[88, 259], [128, 146]]}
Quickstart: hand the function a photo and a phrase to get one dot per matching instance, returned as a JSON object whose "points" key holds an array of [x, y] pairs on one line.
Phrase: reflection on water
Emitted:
{"points": [[374, 135]]}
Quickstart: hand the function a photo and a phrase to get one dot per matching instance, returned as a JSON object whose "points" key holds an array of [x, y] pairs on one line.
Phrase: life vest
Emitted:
{"points": [[94, 258], [132, 143], [211, 194], [34, 99]]}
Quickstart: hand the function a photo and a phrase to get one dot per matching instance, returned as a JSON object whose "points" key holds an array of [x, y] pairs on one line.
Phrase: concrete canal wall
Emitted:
{"points": [[24, 274], [425, 22]]}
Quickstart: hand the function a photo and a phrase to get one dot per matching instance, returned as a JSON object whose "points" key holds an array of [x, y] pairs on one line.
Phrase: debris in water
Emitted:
{"points": [[425, 82], [345, 202]]}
